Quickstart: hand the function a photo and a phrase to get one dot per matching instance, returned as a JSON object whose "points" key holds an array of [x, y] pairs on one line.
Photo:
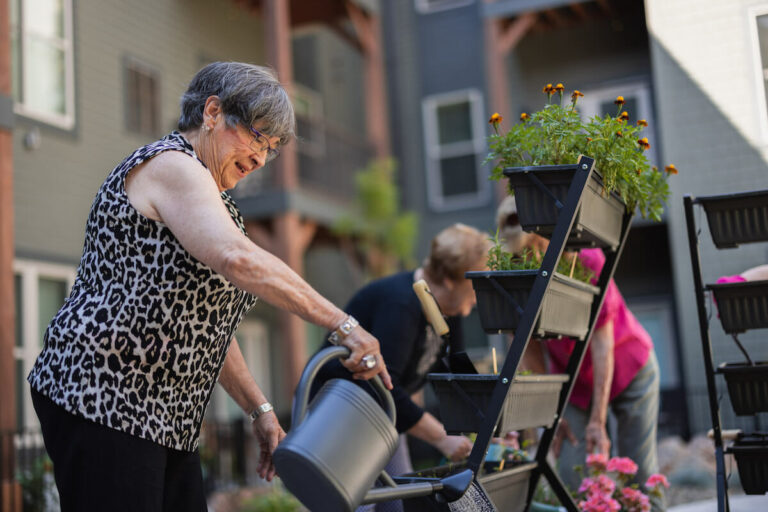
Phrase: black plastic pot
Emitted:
{"points": [[742, 306], [463, 400], [737, 218], [751, 453], [598, 221], [747, 386], [507, 489], [502, 295]]}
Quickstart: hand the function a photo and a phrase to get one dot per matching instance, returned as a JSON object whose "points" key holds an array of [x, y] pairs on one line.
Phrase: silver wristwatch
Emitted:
{"points": [[343, 330], [262, 409]]}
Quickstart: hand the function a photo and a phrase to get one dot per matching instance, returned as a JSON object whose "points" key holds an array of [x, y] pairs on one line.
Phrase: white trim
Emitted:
{"points": [[424, 7], [434, 151], [758, 71], [31, 272], [67, 120]]}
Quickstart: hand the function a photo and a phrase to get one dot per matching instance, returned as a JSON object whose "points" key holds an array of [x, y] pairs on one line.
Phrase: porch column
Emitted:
{"points": [[10, 492], [499, 41], [368, 31], [286, 225]]}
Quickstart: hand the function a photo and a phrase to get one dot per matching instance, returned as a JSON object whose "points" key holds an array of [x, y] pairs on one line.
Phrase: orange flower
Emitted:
{"points": [[618, 134], [670, 169], [643, 143], [624, 116], [589, 139], [642, 122], [524, 117], [495, 119], [639, 171], [559, 87], [619, 100], [575, 95], [548, 89]]}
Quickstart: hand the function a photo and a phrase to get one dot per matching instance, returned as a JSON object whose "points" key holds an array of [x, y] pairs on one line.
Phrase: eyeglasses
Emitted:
{"points": [[260, 143]]}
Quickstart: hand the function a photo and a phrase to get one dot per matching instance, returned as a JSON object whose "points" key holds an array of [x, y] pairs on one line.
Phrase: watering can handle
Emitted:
{"points": [[309, 374]]}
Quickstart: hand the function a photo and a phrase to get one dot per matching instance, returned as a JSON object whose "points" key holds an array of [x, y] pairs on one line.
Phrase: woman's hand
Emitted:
{"points": [[455, 448], [597, 438], [269, 433], [563, 432], [363, 344]]}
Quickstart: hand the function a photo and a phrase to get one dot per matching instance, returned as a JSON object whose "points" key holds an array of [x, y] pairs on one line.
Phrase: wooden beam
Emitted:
{"points": [[606, 7], [515, 32], [579, 11], [554, 18], [343, 33]]}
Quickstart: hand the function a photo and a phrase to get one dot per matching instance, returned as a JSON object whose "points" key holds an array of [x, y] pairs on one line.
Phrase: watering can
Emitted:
{"points": [[338, 446]]}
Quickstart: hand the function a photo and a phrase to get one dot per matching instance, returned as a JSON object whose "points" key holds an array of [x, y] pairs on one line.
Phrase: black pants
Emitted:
{"points": [[98, 468]]}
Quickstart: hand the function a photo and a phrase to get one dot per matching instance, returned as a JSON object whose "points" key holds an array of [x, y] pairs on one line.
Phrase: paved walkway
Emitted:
{"points": [[739, 503]]}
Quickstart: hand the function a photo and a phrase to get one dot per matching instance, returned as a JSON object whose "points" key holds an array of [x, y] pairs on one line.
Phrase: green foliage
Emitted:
{"points": [[529, 259], [37, 487], [386, 236], [556, 135]]}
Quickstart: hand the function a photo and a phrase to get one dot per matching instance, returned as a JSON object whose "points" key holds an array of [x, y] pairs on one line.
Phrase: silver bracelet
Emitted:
{"points": [[343, 330], [262, 409]]}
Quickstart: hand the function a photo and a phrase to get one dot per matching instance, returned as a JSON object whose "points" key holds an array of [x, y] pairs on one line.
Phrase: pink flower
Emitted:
{"points": [[599, 503], [597, 461], [622, 465], [656, 480], [598, 485], [634, 501]]}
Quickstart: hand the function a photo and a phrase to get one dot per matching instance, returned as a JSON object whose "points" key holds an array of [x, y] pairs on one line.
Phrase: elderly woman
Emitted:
{"points": [[391, 311], [167, 273]]}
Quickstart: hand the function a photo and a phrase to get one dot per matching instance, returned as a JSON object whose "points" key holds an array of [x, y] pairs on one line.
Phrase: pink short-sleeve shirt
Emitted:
{"points": [[631, 348]]}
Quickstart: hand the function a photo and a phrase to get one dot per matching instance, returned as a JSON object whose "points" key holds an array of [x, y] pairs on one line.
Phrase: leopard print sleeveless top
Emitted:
{"points": [[140, 341]]}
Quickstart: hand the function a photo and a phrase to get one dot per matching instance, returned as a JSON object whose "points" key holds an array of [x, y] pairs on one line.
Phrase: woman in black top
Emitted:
{"points": [[390, 310]]}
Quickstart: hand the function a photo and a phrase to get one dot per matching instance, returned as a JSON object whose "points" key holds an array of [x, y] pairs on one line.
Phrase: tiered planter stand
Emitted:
{"points": [[576, 213], [734, 219]]}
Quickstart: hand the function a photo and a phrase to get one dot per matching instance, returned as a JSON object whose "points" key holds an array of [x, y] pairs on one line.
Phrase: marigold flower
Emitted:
{"points": [[559, 87], [654, 168], [624, 116], [618, 134], [589, 139], [524, 117], [642, 122], [639, 171], [619, 100], [495, 118], [670, 169], [643, 143], [575, 95], [622, 465], [548, 89], [656, 480]]}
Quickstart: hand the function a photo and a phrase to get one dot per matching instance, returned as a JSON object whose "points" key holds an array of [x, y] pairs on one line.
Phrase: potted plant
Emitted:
{"points": [[503, 291], [751, 453], [547, 144], [737, 218]]}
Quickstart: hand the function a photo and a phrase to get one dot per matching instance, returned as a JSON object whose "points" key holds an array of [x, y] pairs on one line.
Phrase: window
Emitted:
{"points": [[42, 61], [760, 45], [428, 6], [637, 104], [455, 146], [40, 291], [142, 103]]}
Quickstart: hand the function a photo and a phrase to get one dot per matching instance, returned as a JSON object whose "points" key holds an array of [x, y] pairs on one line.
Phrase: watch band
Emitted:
{"points": [[343, 330], [262, 409]]}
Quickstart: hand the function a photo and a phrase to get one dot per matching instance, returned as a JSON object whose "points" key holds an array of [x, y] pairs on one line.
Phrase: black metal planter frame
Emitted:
{"points": [[733, 219], [560, 239]]}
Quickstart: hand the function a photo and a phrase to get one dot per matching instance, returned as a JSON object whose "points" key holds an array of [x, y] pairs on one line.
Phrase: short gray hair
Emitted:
{"points": [[454, 251], [249, 94]]}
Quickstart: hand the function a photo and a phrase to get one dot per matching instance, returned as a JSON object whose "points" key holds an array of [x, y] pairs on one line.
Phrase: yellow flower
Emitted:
{"points": [[559, 87], [619, 100], [524, 117], [575, 95], [624, 116], [495, 119], [670, 169], [642, 122], [639, 171], [548, 89], [643, 143]]}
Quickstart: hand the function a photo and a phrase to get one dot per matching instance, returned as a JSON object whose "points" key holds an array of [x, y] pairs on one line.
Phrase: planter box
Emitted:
{"points": [[598, 221], [564, 311], [751, 452], [741, 306], [507, 490], [737, 218], [747, 386], [463, 399]]}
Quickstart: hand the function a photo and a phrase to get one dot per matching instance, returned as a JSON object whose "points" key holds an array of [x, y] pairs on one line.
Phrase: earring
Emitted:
{"points": [[207, 128]]}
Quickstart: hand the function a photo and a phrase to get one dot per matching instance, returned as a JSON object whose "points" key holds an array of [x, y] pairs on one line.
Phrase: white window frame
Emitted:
{"points": [[589, 106], [31, 272], [67, 120], [424, 7], [760, 74], [435, 151]]}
